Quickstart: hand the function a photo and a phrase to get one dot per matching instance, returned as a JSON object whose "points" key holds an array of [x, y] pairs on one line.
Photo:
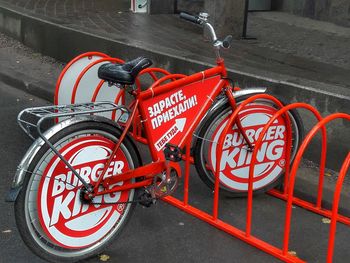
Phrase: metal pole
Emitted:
{"points": [[244, 33], [245, 22]]}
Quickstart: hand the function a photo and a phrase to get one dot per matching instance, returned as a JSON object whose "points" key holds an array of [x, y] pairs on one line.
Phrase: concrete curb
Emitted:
{"points": [[51, 39], [36, 89]]}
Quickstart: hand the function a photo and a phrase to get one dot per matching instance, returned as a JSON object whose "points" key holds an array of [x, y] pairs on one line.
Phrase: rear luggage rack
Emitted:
{"points": [[31, 119]]}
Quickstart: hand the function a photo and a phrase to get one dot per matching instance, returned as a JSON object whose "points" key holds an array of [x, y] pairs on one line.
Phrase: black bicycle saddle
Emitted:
{"points": [[123, 73]]}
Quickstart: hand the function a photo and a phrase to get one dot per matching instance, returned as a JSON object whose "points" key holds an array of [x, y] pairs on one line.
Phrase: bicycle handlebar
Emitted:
{"points": [[202, 19], [191, 18]]}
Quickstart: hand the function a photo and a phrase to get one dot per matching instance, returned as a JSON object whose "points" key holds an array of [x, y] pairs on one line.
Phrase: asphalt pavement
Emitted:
{"points": [[12, 147]]}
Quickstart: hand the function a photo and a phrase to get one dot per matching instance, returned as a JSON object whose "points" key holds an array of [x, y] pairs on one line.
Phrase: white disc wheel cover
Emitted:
{"points": [[65, 220], [235, 157]]}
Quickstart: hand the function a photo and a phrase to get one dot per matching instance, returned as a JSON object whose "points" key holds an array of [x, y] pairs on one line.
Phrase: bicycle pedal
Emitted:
{"points": [[145, 199], [172, 153]]}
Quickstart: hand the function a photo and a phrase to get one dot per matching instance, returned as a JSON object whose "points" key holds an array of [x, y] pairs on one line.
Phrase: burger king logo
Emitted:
{"points": [[236, 157], [65, 219]]}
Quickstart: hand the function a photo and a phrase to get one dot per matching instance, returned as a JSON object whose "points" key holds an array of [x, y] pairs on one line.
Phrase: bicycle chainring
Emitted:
{"points": [[166, 186]]}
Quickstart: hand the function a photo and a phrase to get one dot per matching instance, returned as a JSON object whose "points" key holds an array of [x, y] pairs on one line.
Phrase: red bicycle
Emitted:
{"points": [[80, 180]]}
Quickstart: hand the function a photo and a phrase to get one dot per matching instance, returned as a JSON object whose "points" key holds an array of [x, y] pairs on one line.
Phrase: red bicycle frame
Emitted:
{"points": [[205, 85]]}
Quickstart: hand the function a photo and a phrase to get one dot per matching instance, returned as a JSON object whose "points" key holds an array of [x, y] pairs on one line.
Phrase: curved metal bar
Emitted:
{"points": [[220, 144], [150, 71], [336, 199], [116, 101], [258, 144], [63, 72], [86, 69], [211, 31], [97, 90], [294, 170], [165, 78]]}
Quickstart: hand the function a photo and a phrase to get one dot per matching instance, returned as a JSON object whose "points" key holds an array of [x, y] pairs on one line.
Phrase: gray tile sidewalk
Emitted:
{"points": [[285, 44]]}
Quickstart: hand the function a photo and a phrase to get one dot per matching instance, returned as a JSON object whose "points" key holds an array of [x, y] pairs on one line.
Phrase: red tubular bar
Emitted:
{"points": [[187, 171], [154, 77], [137, 131], [151, 72], [282, 111], [97, 90], [294, 170], [75, 88], [310, 206], [116, 147], [147, 171], [135, 124], [121, 95], [287, 194], [336, 199], [165, 78], [254, 160], [264, 246], [125, 187], [88, 54], [218, 154]]}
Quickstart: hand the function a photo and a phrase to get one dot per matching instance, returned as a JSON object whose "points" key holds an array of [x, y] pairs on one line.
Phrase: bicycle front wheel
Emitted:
{"points": [[236, 157], [52, 218]]}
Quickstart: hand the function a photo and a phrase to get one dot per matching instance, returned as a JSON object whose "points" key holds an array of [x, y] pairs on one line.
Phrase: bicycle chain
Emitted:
{"points": [[151, 199], [143, 201]]}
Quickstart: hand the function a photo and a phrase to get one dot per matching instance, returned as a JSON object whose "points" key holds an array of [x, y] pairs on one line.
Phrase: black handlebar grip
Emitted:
{"points": [[191, 18], [226, 43]]}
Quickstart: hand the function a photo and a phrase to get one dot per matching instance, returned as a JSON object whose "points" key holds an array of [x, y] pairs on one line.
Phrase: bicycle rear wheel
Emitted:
{"points": [[52, 218], [235, 159]]}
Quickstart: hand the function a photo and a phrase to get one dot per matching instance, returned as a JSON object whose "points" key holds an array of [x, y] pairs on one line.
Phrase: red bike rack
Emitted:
{"points": [[72, 78], [286, 194]]}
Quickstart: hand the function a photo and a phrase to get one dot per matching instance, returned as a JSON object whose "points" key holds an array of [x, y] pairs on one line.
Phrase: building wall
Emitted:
{"points": [[336, 11], [190, 6]]}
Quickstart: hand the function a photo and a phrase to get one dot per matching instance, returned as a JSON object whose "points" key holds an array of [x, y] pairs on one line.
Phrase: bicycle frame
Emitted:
{"points": [[212, 81]]}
